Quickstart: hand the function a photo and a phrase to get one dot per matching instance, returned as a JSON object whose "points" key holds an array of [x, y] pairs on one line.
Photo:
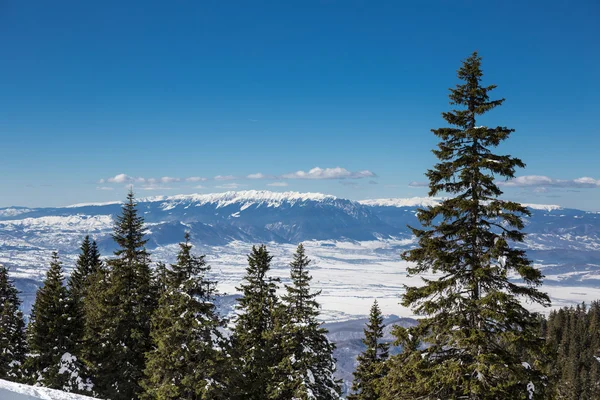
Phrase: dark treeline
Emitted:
{"points": [[119, 329], [573, 346]]}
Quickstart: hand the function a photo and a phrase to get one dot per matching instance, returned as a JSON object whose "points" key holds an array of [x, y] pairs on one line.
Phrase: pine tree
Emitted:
{"points": [[254, 349], [371, 363], [87, 265], [476, 328], [118, 313], [13, 345], [306, 368], [50, 331], [186, 362], [160, 279], [407, 369]]}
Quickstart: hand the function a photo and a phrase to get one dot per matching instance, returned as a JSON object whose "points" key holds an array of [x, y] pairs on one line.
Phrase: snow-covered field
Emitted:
{"points": [[351, 275], [17, 391]]}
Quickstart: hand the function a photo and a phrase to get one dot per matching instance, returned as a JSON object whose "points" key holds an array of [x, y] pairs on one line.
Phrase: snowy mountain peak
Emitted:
{"points": [[408, 202], [246, 198], [546, 207], [432, 201]]}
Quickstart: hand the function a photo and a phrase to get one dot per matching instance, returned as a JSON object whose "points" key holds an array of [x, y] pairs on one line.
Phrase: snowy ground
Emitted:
{"points": [[349, 274], [16, 391], [352, 274]]}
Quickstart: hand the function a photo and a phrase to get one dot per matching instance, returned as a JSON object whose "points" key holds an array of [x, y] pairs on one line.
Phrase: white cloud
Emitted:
{"points": [[224, 178], [123, 178], [545, 181], [278, 184], [315, 173], [104, 188], [258, 175], [329, 173], [195, 179], [232, 185], [418, 184], [198, 187]]}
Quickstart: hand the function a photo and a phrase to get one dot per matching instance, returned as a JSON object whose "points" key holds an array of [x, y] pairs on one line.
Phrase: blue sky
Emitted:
{"points": [[98, 95]]}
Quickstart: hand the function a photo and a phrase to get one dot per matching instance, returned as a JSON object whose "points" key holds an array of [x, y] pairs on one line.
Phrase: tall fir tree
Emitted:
{"points": [[476, 327], [87, 265], [254, 349], [50, 332], [118, 314], [186, 362], [371, 362], [13, 345], [306, 368]]}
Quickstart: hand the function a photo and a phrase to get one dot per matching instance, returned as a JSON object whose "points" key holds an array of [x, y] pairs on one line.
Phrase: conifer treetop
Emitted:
{"points": [[473, 313], [129, 231]]}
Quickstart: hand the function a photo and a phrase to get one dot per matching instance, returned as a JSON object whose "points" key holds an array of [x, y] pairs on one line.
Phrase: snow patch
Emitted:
{"points": [[17, 391]]}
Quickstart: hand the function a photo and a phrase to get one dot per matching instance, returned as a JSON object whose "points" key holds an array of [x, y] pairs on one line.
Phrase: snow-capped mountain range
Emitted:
{"points": [[565, 241], [259, 216]]}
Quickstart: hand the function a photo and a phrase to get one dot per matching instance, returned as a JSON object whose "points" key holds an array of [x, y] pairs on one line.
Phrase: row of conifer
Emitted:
{"points": [[119, 329]]}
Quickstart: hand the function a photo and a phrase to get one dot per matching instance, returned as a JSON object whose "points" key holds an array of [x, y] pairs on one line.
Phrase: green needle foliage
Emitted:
{"points": [[306, 368], [255, 350], [13, 345], [88, 264], [50, 336], [371, 362], [118, 311], [187, 362], [480, 339], [573, 336]]}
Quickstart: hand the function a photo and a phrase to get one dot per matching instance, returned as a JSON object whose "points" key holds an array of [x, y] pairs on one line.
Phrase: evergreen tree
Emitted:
{"points": [[50, 331], [161, 283], [306, 368], [118, 314], [13, 346], [254, 348], [186, 362], [573, 342], [371, 363], [476, 328], [407, 369], [87, 265]]}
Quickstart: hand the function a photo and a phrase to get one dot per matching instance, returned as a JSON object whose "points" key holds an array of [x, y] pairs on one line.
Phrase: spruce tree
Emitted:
{"points": [[50, 332], [254, 349], [87, 265], [371, 362], [118, 314], [13, 345], [407, 369], [306, 368], [476, 328], [186, 362]]}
